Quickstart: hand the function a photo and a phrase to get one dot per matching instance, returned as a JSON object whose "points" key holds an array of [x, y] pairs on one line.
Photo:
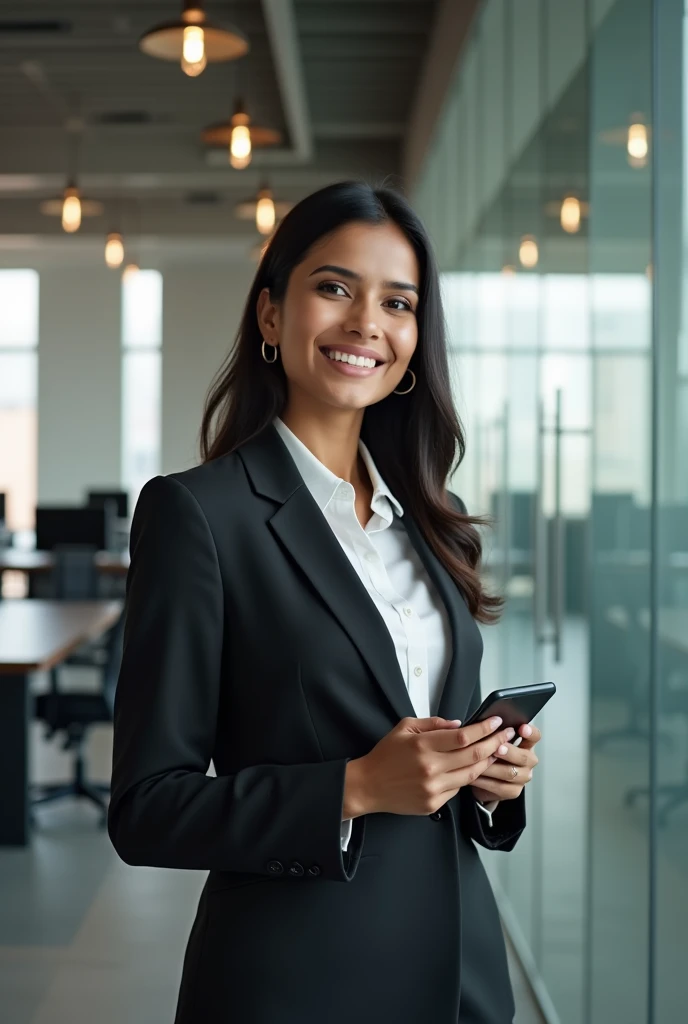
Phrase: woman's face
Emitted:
{"points": [[355, 293]]}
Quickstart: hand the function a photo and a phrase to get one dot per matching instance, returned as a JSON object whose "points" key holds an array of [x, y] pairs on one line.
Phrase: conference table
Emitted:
{"points": [[31, 562], [35, 636]]}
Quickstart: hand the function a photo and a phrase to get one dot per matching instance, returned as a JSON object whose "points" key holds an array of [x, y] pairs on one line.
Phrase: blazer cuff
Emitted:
{"points": [[508, 821]]}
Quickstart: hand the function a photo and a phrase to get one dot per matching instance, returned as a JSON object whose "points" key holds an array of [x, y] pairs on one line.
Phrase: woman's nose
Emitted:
{"points": [[362, 321]]}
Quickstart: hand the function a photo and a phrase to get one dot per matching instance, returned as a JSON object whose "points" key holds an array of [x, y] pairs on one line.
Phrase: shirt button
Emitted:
{"points": [[408, 611], [370, 556], [437, 816], [314, 870], [275, 867], [418, 670]]}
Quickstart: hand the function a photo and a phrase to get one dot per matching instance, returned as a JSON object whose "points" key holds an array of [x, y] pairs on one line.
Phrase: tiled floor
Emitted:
{"points": [[84, 937]]}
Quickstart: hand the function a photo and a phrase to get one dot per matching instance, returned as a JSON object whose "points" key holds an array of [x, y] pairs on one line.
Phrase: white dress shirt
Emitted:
{"points": [[392, 573]]}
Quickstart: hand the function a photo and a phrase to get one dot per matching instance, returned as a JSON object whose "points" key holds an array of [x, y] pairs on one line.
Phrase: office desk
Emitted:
{"points": [[111, 563], [34, 635]]}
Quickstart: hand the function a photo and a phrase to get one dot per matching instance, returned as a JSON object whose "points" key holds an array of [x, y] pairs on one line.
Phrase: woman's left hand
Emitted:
{"points": [[498, 781]]}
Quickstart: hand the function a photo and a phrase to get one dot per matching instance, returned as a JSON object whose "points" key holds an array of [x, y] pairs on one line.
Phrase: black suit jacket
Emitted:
{"points": [[250, 640]]}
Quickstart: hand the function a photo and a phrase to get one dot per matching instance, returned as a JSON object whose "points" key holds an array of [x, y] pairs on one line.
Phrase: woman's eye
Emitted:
{"points": [[331, 284], [404, 304]]}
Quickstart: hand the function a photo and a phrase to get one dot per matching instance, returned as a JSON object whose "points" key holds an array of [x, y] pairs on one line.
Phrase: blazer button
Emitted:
{"points": [[314, 870], [437, 816], [275, 867], [296, 868]]}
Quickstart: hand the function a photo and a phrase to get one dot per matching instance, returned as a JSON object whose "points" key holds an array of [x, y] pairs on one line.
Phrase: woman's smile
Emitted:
{"points": [[340, 362]]}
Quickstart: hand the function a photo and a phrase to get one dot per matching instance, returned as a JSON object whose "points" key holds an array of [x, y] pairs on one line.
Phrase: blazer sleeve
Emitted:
{"points": [[509, 817], [165, 811]]}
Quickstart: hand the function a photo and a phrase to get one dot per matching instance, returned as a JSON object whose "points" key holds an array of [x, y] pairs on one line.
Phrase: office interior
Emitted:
{"points": [[544, 144]]}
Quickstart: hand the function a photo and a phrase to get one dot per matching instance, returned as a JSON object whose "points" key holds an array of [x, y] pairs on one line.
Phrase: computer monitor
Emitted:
{"points": [[97, 499], [67, 524], [2, 506]]}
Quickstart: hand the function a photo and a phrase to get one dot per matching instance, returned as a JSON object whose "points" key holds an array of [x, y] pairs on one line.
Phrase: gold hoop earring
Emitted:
{"points": [[262, 349], [408, 389]]}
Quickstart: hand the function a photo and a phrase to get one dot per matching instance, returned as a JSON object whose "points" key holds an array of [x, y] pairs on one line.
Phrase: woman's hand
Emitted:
{"points": [[498, 781], [420, 765]]}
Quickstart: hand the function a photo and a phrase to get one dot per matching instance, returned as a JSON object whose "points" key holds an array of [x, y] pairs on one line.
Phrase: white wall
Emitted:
{"points": [[202, 306]]}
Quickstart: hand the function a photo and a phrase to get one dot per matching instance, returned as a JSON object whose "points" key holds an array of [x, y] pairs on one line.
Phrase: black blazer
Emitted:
{"points": [[251, 640]]}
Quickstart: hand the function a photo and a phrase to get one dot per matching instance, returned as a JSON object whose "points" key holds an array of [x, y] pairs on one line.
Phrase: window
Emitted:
{"points": [[141, 378], [18, 388]]}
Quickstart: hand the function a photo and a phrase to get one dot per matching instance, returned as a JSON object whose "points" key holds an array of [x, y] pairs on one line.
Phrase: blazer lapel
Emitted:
{"points": [[304, 532]]}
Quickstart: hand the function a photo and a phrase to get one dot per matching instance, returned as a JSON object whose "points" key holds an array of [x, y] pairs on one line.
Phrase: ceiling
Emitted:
{"points": [[336, 77]]}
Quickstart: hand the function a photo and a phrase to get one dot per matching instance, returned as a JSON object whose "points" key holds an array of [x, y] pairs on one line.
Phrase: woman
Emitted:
{"points": [[301, 609]]}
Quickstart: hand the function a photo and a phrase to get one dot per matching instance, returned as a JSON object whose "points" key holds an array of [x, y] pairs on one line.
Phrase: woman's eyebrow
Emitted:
{"points": [[344, 272]]}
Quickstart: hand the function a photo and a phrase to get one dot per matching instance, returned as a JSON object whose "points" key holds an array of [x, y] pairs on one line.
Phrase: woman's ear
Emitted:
{"points": [[267, 314]]}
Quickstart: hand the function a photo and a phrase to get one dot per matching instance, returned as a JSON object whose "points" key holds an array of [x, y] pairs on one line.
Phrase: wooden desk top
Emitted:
{"points": [[40, 634], [42, 561]]}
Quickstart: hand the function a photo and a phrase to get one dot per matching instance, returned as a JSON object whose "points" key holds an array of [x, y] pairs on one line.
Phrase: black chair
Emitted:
{"points": [[72, 713], [75, 578]]}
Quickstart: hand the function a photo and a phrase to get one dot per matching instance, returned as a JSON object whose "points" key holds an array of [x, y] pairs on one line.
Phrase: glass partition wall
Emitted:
{"points": [[557, 211]]}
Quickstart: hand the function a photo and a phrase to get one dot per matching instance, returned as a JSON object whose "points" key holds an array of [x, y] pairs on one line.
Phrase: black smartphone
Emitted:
{"points": [[516, 705]]}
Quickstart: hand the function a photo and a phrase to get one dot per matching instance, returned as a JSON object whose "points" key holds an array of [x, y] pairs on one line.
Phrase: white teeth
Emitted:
{"points": [[346, 357]]}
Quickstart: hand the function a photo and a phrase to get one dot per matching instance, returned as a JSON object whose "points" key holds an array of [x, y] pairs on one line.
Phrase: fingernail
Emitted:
{"points": [[455, 721], [510, 733], [527, 731], [503, 749], [495, 722]]}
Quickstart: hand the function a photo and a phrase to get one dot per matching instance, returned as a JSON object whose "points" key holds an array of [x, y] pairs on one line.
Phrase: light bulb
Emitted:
{"points": [[71, 210], [570, 216], [130, 270], [508, 268], [240, 147], [265, 214], [637, 141], [528, 252], [114, 250], [194, 58]]}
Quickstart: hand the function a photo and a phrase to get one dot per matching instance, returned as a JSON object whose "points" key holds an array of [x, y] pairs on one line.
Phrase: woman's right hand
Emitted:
{"points": [[420, 765]]}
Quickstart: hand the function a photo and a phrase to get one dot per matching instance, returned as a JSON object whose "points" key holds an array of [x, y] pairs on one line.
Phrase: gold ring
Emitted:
{"points": [[514, 773]]}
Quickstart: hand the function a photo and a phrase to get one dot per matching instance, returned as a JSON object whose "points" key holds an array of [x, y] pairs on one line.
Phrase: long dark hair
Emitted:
{"points": [[417, 439]]}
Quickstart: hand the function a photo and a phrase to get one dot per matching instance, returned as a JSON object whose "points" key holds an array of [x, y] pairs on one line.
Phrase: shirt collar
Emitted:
{"points": [[322, 482]]}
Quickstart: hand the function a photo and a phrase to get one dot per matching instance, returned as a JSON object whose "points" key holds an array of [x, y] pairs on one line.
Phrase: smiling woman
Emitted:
{"points": [[301, 611]]}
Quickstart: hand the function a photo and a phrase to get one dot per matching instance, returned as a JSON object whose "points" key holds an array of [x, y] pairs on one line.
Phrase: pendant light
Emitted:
{"points": [[528, 252], [114, 250], [71, 207], [263, 209], [194, 41], [240, 136]]}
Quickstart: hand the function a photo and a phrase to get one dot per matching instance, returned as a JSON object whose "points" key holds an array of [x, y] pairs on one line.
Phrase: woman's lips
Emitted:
{"points": [[348, 369]]}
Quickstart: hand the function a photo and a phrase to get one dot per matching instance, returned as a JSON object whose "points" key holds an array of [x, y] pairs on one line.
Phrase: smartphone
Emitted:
{"points": [[516, 705]]}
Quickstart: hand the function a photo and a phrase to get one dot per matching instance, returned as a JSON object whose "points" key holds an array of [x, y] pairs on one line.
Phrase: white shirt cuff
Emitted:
{"points": [[345, 832], [488, 809]]}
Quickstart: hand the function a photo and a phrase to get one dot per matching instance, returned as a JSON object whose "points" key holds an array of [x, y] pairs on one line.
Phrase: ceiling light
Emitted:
{"points": [[194, 41], [114, 250], [71, 208], [265, 212], [130, 270], [528, 252], [636, 144], [570, 215], [240, 137], [263, 209]]}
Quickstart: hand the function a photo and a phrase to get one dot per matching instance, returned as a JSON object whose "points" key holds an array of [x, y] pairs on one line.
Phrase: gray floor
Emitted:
{"points": [[84, 937]]}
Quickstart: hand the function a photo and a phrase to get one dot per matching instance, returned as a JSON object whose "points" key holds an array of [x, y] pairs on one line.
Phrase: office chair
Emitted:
{"points": [[72, 713]]}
